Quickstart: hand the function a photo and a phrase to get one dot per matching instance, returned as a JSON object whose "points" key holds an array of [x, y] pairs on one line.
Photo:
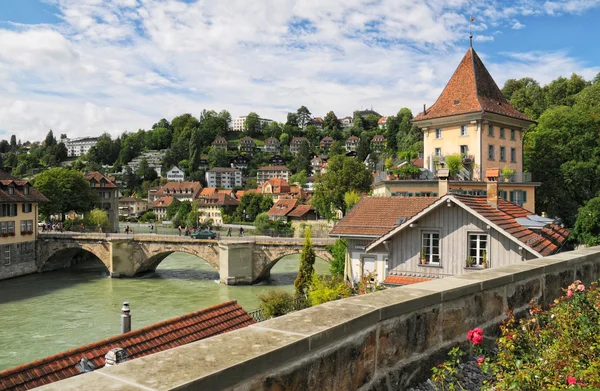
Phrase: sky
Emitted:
{"points": [[83, 67]]}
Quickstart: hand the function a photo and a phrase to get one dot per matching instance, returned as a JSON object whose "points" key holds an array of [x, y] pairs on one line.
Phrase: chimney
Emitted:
{"points": [[424, 109], [443, 174], [491, 177], [125, 318], [115, 356]]}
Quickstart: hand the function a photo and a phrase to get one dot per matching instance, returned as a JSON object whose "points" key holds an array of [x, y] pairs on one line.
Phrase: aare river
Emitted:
{"points": [[44, 314]]}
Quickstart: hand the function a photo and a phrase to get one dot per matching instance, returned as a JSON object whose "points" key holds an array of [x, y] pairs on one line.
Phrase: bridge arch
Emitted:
{"points": [[154, 254], [265, 258], [56, 254], [67, 257]]}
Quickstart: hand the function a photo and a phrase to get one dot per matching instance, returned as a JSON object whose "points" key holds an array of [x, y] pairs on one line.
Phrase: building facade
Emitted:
{"points": [[132, 207], [239, 123], [19, 202], [225, 178], [182, 191], [220, 143], [210, 207], [79, 146], [175, 174], [247, 145], [108, 197], [159, 207], [265, 173], [296, 143], [326, 143], [272, 145], [352, 143]]}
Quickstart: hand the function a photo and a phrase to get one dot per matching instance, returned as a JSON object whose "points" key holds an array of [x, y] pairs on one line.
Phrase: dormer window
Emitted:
{"points": [[26, 190], [11, 190]]}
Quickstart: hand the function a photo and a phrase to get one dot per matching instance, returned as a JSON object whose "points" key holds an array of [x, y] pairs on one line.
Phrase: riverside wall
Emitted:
{"points": [[387, 340]]}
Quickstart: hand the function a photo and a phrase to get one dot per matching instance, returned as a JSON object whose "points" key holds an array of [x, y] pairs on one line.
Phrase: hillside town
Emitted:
{"points": [[349, 251]]}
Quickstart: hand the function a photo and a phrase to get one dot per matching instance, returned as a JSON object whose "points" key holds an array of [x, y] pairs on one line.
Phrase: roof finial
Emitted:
{"points": [[471, 21]]}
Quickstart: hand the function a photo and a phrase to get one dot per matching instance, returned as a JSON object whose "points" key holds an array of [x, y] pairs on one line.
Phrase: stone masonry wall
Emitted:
{"points": [[22, 260], [386, 340]]}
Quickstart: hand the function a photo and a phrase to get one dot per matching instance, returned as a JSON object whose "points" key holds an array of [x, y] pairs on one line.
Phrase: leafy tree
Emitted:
{"points": [[252, 126], [338, 148], [148, 217], [306, 269], [4, 146], [98, 218], [327, 288], [562, 91], [13, 143], [331, 122], [525, 95], [351, 198], [218, 158], [344, 174], [284, 139], [262, 222], [364, 148], [454, 163], [371, 122], [251, 205], [50, 139], [173, 208], [338, 263], [300, 177], [195, 149], [66, 189], [302, 160], [304, 117], [392, 124], [587, 225]]}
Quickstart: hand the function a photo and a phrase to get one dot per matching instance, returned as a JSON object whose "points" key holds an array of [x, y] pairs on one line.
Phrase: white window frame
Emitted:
{"points": [[478, 257], [429, 250], [438, 133], [463, 130], [438, 150]]}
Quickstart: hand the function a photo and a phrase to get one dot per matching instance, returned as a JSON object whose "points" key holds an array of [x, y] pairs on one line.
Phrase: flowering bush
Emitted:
{"points": [[548, 350]]}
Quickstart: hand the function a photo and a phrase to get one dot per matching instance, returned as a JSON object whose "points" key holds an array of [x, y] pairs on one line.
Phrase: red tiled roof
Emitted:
{"points": [[162, 202], [220, 199], [352, 139], [404, 280], [471, 89], [301, 210], [418, 162], [376, 216], [98, 178], [155, 338], [281, 184], [177, 187], [282, 207], [18, 194], [208, 191], [225, 191], [505, 219], [382, 120], [219, 140]]}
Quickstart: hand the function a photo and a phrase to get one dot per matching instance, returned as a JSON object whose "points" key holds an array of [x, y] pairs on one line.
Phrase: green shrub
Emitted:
{"points": [[327, 288], [338, 263], [276, 303]]}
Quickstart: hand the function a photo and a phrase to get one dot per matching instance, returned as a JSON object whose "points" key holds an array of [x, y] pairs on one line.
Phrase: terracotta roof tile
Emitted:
{"points": [[176, 187], [19, 186], [504, 217], [138, 343], [221, 199], [282, 207], [98, 178], [404, 280], [273, 168], [471, 89], [208, 191], [162, 202], [301, 210], [375, 216]]}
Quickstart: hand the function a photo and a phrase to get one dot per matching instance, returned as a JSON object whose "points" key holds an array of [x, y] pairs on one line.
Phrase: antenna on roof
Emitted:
{"points": [[471, 21]]}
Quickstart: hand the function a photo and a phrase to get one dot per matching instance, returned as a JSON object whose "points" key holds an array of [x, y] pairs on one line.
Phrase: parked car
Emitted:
{"points": [[204, 234]]}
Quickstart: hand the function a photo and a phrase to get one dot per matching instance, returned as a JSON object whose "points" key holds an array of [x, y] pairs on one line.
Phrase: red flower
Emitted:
{"points": [[480, 360], [571, 380], [477, 339], [472, 333]]}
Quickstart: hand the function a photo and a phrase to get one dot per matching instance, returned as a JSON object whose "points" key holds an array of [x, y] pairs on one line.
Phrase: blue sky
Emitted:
{"points": [[83, 67]]}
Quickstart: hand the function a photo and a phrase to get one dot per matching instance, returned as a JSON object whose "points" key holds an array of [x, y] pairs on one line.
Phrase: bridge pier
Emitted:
{"points": [[236, 263]]}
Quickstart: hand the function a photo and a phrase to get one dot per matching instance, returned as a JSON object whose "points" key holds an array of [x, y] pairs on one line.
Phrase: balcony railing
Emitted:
{"points": [[518, 177]]}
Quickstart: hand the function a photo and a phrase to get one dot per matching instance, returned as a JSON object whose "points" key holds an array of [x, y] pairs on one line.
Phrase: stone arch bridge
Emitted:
{"points": [[238, 261]]}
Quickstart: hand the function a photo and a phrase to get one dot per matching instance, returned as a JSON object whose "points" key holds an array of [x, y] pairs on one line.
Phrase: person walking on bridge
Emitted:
{"points": [[229, 231], [241, 231]]}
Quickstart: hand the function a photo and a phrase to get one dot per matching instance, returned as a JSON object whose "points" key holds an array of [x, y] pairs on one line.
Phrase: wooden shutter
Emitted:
{"points": [[512, 196], [524, 196]]}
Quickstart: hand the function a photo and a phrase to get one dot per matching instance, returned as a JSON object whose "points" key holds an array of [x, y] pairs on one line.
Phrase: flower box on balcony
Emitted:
{"points": [[12, 234], [24, 233], [5, 235]]}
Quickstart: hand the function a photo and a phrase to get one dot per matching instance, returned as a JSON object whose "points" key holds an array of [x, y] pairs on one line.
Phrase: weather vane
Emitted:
{"points": [[471, 21]]}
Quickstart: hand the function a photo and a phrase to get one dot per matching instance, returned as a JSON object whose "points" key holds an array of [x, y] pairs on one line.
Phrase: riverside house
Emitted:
{"points": [[18, 226], [108, 195], [430, 237]]}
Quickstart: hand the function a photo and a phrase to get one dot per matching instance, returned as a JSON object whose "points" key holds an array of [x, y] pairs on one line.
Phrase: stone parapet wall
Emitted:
{"points": [[386, 340], [320, 228]]}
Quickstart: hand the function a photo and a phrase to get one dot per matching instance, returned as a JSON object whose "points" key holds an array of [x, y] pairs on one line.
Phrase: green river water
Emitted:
{"points": [[43, 314]]}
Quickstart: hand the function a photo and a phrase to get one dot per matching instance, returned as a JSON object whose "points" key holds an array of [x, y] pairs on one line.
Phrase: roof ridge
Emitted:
{"points": [[475, 77]]}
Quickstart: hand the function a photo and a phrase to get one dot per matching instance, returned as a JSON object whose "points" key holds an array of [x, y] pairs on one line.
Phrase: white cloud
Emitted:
{"points": [[518, 26], [122, 65]]}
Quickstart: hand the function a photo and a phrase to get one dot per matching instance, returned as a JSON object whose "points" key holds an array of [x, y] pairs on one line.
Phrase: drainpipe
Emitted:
{"points": [[125, 318]]}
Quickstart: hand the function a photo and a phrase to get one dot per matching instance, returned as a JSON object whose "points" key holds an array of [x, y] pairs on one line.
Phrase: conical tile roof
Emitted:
{"points": [[471, 89]]}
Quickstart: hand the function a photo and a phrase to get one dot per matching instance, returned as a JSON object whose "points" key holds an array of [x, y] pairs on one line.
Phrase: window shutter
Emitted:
{"points": [[524, 196], [410, 194], [434, 194], [512, 196]]}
